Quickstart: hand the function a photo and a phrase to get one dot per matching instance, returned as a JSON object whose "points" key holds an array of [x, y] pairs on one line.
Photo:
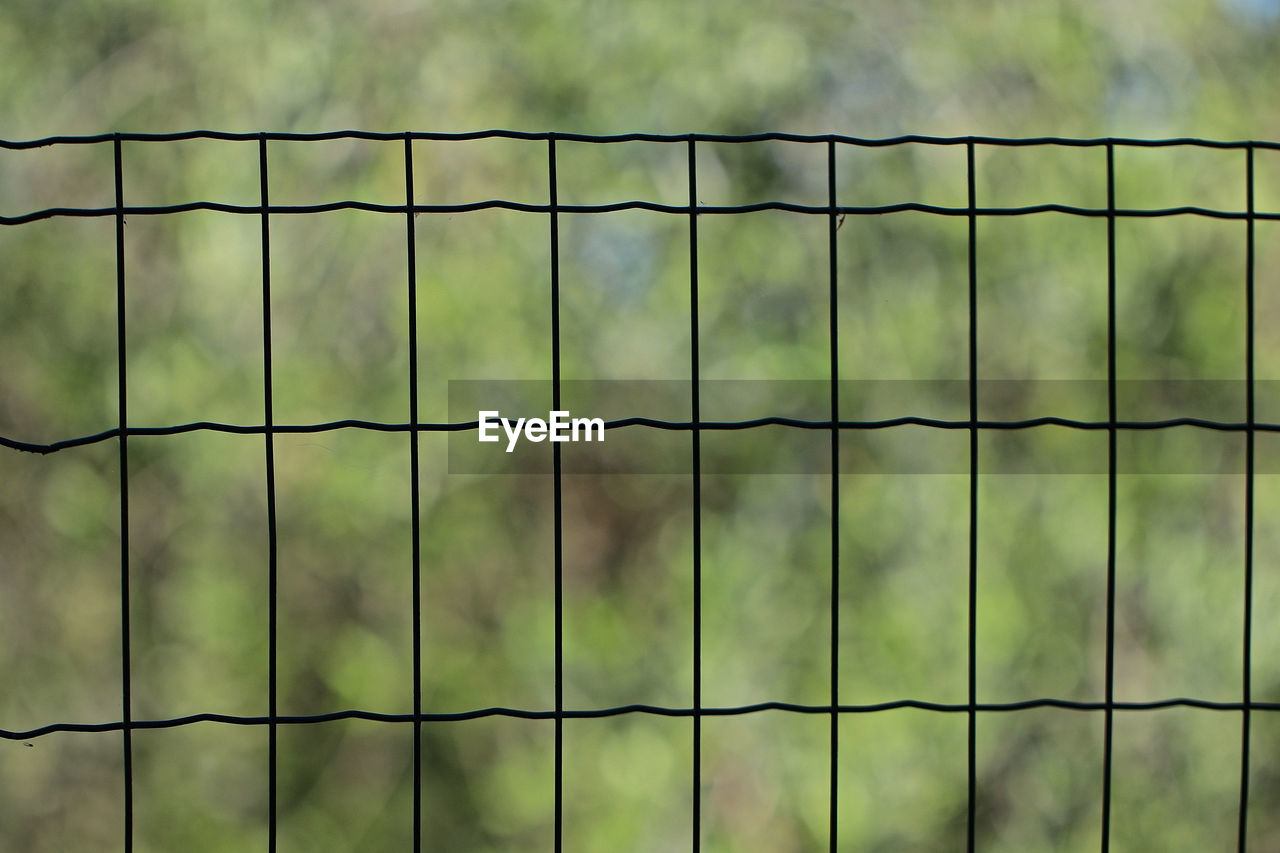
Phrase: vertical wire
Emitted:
{"points": [[556, 478], [1247, 664], [1109, 712], [415, 499], [126, 680], [973, 498], [270, 447], [833, 312], [695, 416]]}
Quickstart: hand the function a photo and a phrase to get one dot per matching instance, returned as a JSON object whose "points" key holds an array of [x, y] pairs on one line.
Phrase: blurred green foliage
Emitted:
{"points": [[198, 529]]}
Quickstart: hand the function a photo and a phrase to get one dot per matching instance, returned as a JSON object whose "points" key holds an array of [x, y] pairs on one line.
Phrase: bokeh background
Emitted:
{"points": [[198, 535]]}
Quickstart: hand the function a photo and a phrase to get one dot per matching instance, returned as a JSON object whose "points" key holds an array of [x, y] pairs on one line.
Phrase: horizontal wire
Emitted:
{"points": [[654, 423], [653, 710], [613, 207], [771, 136]]}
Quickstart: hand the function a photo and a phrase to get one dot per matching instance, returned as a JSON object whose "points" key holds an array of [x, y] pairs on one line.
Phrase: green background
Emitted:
{"points": [[198, 529]]}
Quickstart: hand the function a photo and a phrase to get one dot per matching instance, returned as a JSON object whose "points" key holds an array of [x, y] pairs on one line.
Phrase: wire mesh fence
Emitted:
{"points": [[846, 403]]}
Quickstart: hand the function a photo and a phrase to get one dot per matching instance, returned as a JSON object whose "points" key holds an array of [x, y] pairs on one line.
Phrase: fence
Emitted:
{"points": [[842, 579]]}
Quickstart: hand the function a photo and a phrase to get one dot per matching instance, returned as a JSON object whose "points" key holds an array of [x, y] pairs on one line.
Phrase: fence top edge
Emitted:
{"points": [[546, 136]]}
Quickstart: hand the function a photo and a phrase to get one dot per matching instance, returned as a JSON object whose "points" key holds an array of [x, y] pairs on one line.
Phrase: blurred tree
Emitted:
{"points": [[339, 315]]}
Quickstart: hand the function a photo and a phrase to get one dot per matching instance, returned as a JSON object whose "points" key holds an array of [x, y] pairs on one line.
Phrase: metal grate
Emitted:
{"points": [[834, 213]]}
